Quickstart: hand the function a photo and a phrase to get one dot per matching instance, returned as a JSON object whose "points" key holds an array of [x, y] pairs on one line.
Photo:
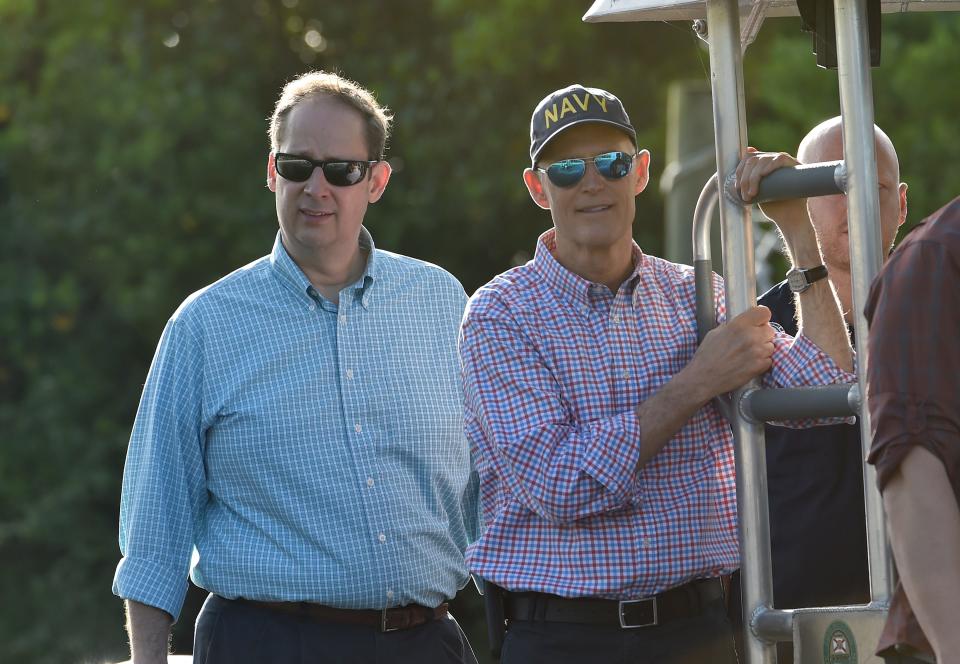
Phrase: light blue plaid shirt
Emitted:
{"points": [[309, 452]]}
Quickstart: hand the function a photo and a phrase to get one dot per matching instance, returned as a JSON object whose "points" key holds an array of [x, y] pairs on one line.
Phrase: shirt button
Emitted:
{"points": [[370, 481], [389, 594], [343, 319], [350, 374], [626, 374], [382, 538], [311, 306], [357, 427], [615, 318]]}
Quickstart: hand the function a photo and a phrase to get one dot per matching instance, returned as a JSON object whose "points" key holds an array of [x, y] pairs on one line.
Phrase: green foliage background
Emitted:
{"points": [[132, 170]]}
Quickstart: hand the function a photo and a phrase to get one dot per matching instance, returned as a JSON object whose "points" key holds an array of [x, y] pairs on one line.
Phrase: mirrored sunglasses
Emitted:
{"points": [[298, 168], [568, 172]]}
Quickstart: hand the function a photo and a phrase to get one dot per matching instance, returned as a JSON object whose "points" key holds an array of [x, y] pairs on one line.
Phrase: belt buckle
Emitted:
{"points": [[651, 601], [383, 623]]}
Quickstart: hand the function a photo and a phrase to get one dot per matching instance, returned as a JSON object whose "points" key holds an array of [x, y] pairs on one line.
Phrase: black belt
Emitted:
{"points": [[684, 601], [385, 620]]}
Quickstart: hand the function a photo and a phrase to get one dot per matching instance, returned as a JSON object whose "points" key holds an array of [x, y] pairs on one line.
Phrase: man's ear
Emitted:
{"points": [[903, 203], [535, 186], [272, 173], [379, 177], [643, 170]]}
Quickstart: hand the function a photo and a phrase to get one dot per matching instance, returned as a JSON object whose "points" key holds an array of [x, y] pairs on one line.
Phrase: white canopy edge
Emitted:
{"points": [[687, 10]]}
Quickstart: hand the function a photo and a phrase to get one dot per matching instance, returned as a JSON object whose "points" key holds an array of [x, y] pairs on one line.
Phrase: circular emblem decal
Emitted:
{"points": [[839, 646]]}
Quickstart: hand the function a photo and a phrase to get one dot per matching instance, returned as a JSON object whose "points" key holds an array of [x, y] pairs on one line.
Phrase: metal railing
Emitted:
{"points": [[754, 406]]}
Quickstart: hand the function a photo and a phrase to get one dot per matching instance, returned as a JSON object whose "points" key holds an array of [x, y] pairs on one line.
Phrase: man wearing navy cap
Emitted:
{"points": [[607, 474]]}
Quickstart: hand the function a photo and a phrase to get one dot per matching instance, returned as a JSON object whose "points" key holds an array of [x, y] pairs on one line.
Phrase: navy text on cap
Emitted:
{"points": [[573, 105]]}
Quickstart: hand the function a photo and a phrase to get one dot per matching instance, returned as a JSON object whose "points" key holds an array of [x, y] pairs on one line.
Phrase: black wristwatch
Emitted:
{"points": [[800, 279]]}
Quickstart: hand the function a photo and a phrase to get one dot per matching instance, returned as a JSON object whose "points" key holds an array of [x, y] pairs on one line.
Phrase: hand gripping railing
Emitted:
{"points": [[822, 179], [758, 405], [802, 181]]}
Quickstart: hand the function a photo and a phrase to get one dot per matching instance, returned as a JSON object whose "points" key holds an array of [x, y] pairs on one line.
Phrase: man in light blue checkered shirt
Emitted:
{"points": [[300, 431]]}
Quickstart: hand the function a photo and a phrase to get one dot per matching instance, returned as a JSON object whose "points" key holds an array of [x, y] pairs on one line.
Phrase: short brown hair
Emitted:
{"points": [[376, 118]]}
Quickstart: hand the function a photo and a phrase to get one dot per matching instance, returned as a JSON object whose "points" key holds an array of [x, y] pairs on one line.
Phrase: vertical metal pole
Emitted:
{"points": [[730, 136], [863, 223]]}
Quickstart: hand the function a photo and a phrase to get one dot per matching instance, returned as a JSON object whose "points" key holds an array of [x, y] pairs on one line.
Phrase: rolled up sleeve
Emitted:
{"points": [[914, 376], [164, 482]]}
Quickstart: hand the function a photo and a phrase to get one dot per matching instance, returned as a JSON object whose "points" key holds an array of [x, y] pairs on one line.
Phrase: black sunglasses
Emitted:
{"points": [[297, 168], [568, 172]]}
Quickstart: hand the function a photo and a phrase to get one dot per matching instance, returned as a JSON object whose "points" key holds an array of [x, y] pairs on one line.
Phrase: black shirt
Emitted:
{"points": [[818, 536]]}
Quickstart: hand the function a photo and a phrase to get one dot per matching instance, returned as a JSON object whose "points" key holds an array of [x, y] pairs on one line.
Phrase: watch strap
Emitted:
{"points": [[800, 279]]}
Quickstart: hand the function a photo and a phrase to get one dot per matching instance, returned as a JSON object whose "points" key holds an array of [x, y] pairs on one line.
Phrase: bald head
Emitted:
{"points": [[829, 213], [825, 143]]}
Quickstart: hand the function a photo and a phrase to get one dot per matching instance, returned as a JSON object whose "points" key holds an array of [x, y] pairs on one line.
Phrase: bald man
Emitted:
{"points": [[829, 213], [815, 476]]}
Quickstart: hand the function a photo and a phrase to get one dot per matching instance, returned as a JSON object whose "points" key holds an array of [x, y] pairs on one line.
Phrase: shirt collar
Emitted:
{"points": [[291, 274], [364, 285], [567, 285]]}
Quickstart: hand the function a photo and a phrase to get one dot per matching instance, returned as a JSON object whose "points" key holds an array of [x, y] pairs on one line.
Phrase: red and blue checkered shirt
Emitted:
{"points": [[554, 366]]}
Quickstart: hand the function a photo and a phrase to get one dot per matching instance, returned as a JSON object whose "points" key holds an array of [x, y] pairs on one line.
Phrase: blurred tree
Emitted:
{"points": [[122, 193], [132, 169], [913, 101]]}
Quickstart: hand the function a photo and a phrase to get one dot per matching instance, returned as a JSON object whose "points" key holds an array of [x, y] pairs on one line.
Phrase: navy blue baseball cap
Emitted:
{"points": [[572, 106]]}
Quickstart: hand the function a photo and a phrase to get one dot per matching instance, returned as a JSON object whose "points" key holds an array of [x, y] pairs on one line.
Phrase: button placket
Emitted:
{"points": [[351, 368]]}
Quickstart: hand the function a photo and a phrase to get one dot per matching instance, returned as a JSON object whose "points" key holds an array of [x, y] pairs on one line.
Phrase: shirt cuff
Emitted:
{"points": [[614, 453], [813, 356], [902, 421], [152, 584]]}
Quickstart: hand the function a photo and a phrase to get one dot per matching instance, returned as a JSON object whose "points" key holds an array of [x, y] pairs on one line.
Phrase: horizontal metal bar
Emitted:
{"points": [[803, 181], [777, 624], [794, 403], [773, 624]]}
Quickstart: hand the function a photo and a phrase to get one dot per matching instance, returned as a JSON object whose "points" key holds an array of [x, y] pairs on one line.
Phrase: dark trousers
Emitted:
{"points": [[707, 638], [229, 632]]}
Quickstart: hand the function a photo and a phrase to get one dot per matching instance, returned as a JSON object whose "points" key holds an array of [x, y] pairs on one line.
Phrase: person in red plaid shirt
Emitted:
{"points": [[607, 474]]}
